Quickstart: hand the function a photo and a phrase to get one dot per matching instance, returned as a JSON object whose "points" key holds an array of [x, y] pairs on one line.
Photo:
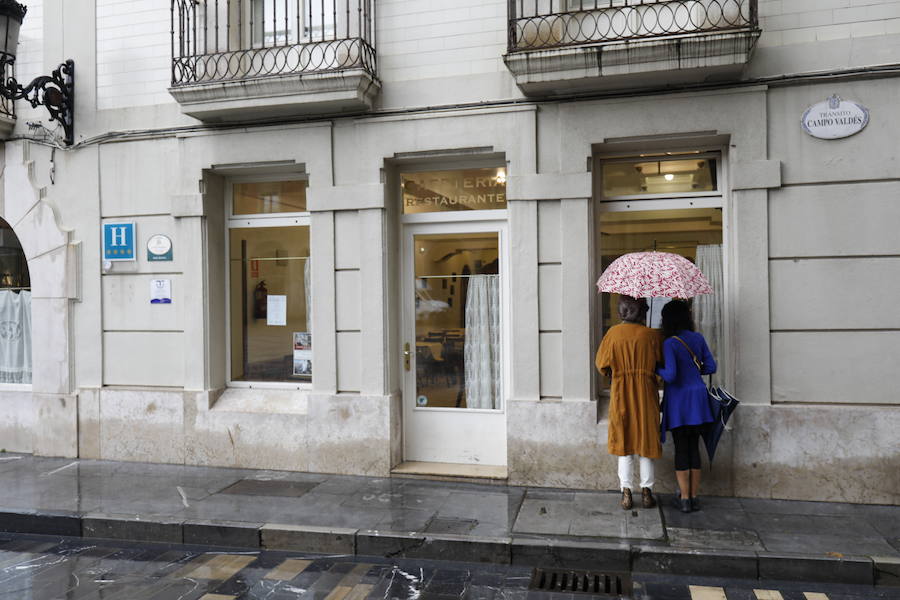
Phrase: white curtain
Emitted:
{"points": [[482, 350], [708, 307], [308, 294], [15, 337]]}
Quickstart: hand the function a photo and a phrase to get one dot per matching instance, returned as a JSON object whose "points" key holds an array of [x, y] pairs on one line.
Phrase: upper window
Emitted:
{"points": [[441, 191], [660, 175], [267, 197], [15, 309], [269, 290]]}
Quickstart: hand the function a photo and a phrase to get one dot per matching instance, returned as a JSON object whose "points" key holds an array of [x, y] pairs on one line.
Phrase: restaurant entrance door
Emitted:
{"points": [[453, 342]]}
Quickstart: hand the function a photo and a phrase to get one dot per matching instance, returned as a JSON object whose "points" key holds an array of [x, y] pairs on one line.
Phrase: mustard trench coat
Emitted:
{"points": [[629, 352]]}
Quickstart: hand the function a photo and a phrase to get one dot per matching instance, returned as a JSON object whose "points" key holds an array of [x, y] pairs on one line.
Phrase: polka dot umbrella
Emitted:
{"points": [[653, 275]]}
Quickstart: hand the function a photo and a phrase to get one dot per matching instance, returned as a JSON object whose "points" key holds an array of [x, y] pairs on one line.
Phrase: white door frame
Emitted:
{"points": [[431, 434]]}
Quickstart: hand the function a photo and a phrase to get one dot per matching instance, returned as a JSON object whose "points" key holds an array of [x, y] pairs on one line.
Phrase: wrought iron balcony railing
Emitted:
{"points": [[232, 40], [7, 106], [542, 24]]}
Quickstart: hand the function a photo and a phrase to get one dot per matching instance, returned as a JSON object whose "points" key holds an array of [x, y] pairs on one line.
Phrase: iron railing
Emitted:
{"points": [[540, 24], [229, 40], [7, 106]]}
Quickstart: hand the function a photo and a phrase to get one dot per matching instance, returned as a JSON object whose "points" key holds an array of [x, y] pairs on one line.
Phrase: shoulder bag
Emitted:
{"points": [[721, 401]]}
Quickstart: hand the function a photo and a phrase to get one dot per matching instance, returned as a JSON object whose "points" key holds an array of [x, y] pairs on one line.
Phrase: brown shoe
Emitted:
{"points": [[627, 503], [647, 499]]}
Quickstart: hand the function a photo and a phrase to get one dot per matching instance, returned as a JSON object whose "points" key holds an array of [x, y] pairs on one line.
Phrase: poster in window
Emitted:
{"points": [[276, 310], [302, 353]]}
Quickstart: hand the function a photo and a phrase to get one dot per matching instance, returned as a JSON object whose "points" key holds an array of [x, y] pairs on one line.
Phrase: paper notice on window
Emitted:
{"points": [[654, 315], [276, 310]]}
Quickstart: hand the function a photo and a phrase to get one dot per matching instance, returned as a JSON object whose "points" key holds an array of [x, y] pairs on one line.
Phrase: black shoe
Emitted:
{"points": [[695, 504], [684, 505]]}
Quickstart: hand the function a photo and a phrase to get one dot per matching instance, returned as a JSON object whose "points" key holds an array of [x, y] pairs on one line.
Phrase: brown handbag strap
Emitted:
{"points": [[697, 362]]}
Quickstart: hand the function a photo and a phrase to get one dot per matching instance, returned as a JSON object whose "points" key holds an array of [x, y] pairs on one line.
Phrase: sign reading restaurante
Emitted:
{"points": [[469, 189]]}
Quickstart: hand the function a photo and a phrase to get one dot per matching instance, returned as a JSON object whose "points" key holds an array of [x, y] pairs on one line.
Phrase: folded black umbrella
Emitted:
{"points": [[723, 405]]}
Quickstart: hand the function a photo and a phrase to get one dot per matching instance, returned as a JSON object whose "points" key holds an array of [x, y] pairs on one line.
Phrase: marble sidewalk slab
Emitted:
{"points": [[586, 514], [479, 522]]}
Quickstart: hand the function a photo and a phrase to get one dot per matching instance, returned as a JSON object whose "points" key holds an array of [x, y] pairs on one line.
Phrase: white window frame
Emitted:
{"points": [[305, 35], [233, 221]]}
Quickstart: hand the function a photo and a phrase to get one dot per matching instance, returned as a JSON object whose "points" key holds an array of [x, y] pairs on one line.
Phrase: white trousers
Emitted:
{"points": [[626, 468]]}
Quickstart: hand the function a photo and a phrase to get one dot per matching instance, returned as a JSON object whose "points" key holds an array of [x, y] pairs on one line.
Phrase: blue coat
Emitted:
{"points": [[685, 400]]}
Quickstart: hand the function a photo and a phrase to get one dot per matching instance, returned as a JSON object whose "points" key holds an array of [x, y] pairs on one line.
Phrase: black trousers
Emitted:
{"points": [[687, 446]]}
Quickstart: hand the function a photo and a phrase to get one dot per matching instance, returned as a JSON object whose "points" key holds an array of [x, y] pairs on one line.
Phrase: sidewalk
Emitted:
{"points": [[413, 518]]}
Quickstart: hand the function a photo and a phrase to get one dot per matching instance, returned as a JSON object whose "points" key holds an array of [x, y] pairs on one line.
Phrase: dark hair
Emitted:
{"points": [[676, 316], [632, 309]]}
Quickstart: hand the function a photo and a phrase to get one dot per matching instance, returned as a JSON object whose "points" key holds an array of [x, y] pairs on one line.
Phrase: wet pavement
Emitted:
{"points": [[52, 568], [424, 519]]}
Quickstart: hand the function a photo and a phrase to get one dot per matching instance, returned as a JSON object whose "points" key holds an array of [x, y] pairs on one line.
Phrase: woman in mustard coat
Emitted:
{"points": [[629, 353]]}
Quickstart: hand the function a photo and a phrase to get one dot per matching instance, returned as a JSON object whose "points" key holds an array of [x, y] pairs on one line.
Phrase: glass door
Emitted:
{"points": [[453, 343]]}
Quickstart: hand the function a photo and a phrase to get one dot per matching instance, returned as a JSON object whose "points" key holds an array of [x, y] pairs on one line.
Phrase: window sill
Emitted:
{"points": [[15, 387], [263, 400]]}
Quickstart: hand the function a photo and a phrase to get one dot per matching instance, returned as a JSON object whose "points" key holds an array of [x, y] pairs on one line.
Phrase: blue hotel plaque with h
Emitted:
{"points": [[118, 241]]}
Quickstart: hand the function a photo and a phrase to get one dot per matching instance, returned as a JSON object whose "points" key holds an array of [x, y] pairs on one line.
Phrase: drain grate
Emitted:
{"points": [[580, 582]]}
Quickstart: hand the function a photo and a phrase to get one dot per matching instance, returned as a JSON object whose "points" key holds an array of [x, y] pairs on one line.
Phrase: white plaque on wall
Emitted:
{"points": [[835, 118]]}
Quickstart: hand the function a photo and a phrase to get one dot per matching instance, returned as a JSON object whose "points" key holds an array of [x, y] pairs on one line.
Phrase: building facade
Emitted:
{"points": [[360, 236]]}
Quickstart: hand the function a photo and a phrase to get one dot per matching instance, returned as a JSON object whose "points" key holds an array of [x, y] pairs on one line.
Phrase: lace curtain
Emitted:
{"points": [[15, 337], [708, 307], [482, 349], [307, 289]]}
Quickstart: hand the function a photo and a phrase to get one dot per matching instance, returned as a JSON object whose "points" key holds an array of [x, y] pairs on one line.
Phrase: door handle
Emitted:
{"points": [[406, 356]]}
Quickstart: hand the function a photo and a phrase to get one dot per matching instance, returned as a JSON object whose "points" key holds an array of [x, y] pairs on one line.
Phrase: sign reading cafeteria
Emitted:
{"points": [[835, 118], [468, 189]]}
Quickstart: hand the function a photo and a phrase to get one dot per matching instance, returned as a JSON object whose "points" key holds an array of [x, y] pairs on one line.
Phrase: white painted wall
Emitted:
{"points": [[133, 53], [834, 252]]}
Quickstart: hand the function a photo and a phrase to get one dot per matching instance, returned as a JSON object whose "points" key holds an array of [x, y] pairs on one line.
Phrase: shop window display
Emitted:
{"points": [[269, 290], [695, 233]]}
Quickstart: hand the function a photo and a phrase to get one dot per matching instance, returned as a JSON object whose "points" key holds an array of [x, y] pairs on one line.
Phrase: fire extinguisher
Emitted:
{"points": [[260, 295]]}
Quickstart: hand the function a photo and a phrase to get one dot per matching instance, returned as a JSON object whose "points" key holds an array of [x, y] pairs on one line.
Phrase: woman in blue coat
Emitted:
{"points": [[686, 410]]}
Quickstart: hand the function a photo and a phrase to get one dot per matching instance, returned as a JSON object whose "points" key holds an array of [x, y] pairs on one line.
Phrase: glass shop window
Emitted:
{"points": [[15, 310], [442, 191], [269, 284], [661, 175], [695, 233]]}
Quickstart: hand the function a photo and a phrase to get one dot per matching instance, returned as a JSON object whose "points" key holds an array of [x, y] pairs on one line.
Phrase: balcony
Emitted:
{"points": [[566, 46], [238, 60]]}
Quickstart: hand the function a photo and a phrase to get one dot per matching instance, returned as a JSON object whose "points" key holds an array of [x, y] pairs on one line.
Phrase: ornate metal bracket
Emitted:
{"points": [[55, 92]]}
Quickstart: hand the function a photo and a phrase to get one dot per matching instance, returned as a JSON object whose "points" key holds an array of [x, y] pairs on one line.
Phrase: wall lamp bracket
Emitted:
{"points": [[55, 92]]}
